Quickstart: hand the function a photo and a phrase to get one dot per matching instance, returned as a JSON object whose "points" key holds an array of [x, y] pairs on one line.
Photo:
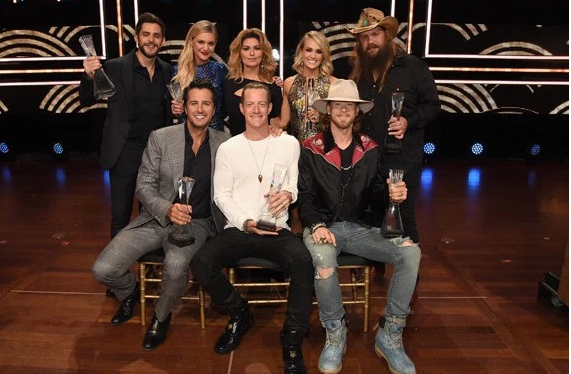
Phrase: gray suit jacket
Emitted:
{"points": [[161, 167]]}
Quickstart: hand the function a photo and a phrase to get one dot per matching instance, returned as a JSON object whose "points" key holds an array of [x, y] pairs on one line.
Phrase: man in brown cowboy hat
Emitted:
{"points": [[338, 179], [380, 68]]}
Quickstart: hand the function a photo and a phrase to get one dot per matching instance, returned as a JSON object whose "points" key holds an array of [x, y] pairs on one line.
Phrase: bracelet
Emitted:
{"points": [[245, 225], [315, 226]]}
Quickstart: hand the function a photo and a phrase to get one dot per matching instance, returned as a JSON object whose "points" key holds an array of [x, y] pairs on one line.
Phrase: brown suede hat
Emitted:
{"points": [[371, 18]]}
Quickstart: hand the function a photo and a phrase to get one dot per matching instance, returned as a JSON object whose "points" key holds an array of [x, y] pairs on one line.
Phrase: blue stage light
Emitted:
{"points": [[477, 149], [4, 148], [535, 150], [429, 148], [58, 148]]}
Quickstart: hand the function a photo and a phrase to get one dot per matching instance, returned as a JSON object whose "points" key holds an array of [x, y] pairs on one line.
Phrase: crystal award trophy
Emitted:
{"points": [[102, 85], [182, 235], [267, 221], [175, 91], [392, 224], [392, 144], [311, 114]]}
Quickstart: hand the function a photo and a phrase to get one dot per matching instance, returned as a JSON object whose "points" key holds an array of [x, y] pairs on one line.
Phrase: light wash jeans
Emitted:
{"points": [[366, 242]]}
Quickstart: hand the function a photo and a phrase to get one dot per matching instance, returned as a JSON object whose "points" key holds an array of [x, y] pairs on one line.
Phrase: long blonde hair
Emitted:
{"points": [[326, 66], [235, 65], [186, 67]]}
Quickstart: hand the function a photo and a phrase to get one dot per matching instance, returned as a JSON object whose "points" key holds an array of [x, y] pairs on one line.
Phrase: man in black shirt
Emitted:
{"points": [[339, 179], [381, 68], [138, 107], [183, 150]]}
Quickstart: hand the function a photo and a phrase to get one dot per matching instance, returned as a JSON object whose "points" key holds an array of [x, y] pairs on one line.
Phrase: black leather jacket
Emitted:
{"points": [[319, 181]]}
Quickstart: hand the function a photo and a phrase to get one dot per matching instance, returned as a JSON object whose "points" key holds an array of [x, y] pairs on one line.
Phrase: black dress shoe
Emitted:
{"points": [[241, 320], [125, 311], [157, 333], [291, 352]]}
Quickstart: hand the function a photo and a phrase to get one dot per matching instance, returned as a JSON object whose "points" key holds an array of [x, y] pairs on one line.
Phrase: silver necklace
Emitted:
{"points": [[260, 177]]}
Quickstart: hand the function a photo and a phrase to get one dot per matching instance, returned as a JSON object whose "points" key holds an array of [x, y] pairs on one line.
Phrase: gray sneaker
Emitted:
{"points": [[331, 357], [388, 345]]}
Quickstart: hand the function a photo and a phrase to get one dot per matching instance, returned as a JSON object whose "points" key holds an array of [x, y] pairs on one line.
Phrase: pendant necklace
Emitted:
{"points": [[260, 177]]}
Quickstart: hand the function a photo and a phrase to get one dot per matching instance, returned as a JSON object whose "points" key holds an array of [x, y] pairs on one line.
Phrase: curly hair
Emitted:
{"points": [[235, 65], [326, 66], [186, 68]]}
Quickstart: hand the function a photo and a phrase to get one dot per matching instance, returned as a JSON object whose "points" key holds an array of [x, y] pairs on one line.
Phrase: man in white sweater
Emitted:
{"points": [[245, 185]]}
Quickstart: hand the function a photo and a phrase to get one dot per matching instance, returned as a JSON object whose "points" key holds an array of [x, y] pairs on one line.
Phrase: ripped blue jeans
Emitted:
{"points": [[368, 243]]}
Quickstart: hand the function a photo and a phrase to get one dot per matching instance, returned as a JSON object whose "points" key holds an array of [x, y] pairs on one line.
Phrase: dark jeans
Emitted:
{"points": [[285, 249], [123, 180]]}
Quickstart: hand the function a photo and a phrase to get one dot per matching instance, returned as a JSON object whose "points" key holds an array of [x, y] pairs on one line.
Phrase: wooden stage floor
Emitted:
{"points": [[490, 230]]}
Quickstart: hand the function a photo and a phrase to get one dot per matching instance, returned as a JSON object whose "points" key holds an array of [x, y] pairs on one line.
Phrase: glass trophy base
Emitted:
{"points": [[392, 144], [266, 225], [102, 85], [181, 240], [388, 233]]}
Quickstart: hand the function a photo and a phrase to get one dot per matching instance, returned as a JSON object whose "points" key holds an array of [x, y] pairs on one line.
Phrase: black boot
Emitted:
{"points": [[157, 333], [293, 357], [241, 320], [125, 311]]}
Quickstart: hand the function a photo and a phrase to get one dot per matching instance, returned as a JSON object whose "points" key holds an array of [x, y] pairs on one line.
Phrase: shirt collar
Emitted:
{"points": [[329, 142]]}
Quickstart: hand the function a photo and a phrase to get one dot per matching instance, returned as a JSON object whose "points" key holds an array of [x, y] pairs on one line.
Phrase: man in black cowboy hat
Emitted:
{"points": [[338, 179], [380, 68]]}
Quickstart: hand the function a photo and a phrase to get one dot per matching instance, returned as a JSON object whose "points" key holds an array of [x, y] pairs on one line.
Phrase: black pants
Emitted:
{"points": [[123, 180], [285, 249]]}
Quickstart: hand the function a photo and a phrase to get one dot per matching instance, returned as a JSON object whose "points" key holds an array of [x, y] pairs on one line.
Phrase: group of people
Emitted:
{"points": [[336, 175]]}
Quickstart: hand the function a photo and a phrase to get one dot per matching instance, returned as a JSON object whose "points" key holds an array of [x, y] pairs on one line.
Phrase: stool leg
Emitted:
{"points": [[367, 285], [353, 280], [201, 302], [142, 286]]}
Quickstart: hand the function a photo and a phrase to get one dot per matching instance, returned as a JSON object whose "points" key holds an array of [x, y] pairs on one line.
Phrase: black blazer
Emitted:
{"points": [[119, 106]]}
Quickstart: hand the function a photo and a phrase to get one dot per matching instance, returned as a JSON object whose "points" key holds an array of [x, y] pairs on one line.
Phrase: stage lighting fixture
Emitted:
{"points": [[58, 149], [477, 149], [535, 150], [4, 148], [429, 148], [276, 55]]}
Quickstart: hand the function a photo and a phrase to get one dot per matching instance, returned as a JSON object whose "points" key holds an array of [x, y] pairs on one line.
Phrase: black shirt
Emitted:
{"points": [[347, 208], [198, 166], [237, 123], [421, 105], [149, 102]]}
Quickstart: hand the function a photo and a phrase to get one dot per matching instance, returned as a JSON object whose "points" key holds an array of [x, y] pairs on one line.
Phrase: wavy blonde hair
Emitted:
{"points": [[326, 66], [235, 65], [186, 67]]}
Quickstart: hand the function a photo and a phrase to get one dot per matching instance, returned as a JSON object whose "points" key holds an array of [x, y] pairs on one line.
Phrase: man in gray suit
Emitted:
{"points": [[183, 150]]}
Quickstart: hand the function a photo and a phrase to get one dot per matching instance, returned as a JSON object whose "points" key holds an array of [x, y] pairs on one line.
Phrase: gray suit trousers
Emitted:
{"points": [[112, 266]]}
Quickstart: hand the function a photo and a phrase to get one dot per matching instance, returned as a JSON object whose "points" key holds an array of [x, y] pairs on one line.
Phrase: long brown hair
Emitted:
{"points": [[358, 57], [267, 65], [325, 122]]}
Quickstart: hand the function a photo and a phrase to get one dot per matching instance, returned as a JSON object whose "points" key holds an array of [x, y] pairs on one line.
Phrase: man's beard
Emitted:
{"points": [[146, 54], [384, 54]]}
